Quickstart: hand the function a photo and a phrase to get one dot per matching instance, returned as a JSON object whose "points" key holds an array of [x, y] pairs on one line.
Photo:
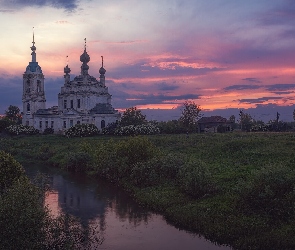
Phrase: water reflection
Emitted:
{"points": [[121, 222]]}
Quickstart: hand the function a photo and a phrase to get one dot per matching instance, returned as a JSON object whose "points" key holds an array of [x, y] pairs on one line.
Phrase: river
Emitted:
{"points": [[120, 222]]}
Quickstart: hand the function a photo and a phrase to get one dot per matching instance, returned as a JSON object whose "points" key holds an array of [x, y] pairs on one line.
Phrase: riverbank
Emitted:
{"points": [[235, 189]]}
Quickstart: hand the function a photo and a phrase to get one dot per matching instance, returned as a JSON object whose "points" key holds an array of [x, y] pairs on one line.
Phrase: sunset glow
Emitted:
{"points": [[157, 54]]}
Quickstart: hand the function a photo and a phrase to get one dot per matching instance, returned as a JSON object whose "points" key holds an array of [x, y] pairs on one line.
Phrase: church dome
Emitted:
{"points": [[85, 58], [67, 70], [102, 71]]}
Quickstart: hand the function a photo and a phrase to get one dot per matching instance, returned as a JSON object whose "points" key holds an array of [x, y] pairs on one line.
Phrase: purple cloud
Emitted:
{"points": [[241, 87]]}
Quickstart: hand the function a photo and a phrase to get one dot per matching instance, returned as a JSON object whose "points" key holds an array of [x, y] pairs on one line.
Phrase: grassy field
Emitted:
{"points": [[235, 188]]}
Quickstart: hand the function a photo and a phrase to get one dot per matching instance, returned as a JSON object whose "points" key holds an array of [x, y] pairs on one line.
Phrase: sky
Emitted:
{"points": [[224, 55]]}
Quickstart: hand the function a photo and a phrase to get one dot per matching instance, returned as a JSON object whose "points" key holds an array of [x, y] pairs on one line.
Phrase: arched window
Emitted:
{"points": [[28, 107], [102, 124], [38, 85], [28, 86]]}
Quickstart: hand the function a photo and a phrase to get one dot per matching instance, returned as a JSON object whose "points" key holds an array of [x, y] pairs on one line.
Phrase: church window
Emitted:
{"points": [[65, 104], [40, 124], [65, 124], [28, 107], [38, 86], [71, 123], [103, 124], [79, 103], [72, 104], [46, 124], [52, 124]]}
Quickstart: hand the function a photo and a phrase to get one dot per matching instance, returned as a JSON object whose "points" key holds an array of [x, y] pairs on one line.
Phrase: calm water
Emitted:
{"points": [[121, 223]]}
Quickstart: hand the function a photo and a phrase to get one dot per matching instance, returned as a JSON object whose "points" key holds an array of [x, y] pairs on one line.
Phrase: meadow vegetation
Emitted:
{"points": [[234, 188]]}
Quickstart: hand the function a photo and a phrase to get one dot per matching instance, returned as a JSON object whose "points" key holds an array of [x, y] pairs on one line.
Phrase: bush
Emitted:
{"points": [[82, 130], [22, 217], [21, 129], [10, 170], [271, 192], [4, 123], [110, 128], [171, 127], [156, 170], [136, 149], [48, 131], [195, 179], [78, 161], [144, 129]]}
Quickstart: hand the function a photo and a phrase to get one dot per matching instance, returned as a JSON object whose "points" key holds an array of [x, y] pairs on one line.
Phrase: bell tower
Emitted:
{"points": [[33, 89]]}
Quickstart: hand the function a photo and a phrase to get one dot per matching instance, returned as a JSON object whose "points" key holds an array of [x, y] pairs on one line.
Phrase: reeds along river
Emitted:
{"points": [[115, 217]]}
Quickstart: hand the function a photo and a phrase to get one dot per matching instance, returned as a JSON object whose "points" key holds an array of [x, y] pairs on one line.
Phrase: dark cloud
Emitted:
{"points": [[280, 87], [143, 69], [259, 100], [68, 5], [241, 87], [166, 86], [250, 79]]}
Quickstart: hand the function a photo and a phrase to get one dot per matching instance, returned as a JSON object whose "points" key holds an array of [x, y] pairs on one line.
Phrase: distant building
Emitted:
{"points": [[211, 124], [84, 100]]}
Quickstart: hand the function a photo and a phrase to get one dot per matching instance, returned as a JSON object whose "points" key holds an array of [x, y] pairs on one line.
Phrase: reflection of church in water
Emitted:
{"points": [[84, 100], [66, 197]]}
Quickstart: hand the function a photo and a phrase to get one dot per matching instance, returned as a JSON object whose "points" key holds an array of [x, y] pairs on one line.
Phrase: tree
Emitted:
{"points": [[246, 121], [190, 115], [13, 113], [232, 119], [132, 116]]}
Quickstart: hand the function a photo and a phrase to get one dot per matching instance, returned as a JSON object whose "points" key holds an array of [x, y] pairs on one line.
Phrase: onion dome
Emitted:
{"points": [[102, 71], [85, 58], [67, 70]]}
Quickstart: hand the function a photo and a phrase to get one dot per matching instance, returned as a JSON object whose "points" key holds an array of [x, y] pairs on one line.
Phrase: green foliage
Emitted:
{"points": [[4, 123], [13, 113], [78, 161], [271, 192], [82, 130], [157, 170], [190, 115], [48, 131], [10, 170], [22, 217], [132, 116], [171, 127], [196, 179], [246, 121], [143, 129], [21, 130], [136, 149]]}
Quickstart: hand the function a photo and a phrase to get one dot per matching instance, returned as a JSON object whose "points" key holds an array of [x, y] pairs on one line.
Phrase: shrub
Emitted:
{"points": [[144, 129], [136, 149], [110, 128], [10, 170], [78, 161], [271, 192], [156, 170], [4, 123], [82, 130], [48, 131], [21, 129], [195, 179]]}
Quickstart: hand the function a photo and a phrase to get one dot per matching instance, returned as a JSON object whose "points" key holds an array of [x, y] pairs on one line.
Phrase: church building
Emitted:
{"points": [[84, 100]]}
